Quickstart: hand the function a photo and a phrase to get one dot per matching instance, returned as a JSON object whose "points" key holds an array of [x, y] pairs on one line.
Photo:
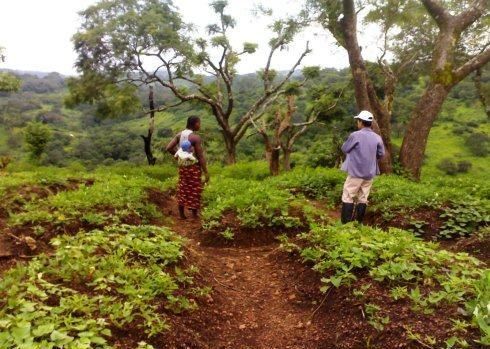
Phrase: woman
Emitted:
{"points": [[190, 183]]}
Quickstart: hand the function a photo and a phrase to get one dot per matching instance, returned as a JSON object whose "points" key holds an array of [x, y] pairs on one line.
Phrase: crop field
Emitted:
{"points": [[97, 259]]}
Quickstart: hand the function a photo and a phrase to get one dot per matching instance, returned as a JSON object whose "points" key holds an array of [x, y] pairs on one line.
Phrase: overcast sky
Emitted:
{"points": [[37, 34]]}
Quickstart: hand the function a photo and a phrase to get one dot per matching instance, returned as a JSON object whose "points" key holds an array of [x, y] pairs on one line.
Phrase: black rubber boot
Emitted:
{"points": [[182, 212], [194, 213], [347, 210], [360, 212]]}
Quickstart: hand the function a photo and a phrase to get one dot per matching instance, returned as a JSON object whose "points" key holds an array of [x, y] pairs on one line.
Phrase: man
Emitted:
{"points": [[363, 148], [190, 173]]}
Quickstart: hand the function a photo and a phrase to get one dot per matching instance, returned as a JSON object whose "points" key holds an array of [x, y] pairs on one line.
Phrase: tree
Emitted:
{"points": [[340, 18], [8, 82], [151, 129], [483, 91], [274, 128], [280, 129], [147, 43], [451, 61], [36, 136], [456, 46]]}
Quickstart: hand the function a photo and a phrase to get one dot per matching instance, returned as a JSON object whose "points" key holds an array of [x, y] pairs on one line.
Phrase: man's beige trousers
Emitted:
{"points": [[356, 188]]}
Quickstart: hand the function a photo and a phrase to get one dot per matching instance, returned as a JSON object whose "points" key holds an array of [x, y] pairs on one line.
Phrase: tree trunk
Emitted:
{"points": [[275, 154], [230, 146], [287, 159], [272, 154], [418, 129], [443, 77], [151, 127], [481, 93], [366, 98], [356, 62]]}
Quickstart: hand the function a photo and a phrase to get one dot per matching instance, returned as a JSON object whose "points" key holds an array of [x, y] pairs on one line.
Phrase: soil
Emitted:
{"points": [[18, 244], [429, 215], [475, 245], [264, 298]]}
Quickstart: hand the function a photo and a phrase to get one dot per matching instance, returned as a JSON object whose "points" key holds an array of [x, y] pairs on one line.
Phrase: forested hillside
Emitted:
{"points": [[82, 135]]}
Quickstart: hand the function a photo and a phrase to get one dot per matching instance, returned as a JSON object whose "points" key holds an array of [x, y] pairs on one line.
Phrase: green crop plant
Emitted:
{"points": [[111, 277], [462, 219], [412, 268], [417, 226], [254, 203], [319, 183], [374, 318], [228, 234], [111, 196], [479, 306]]}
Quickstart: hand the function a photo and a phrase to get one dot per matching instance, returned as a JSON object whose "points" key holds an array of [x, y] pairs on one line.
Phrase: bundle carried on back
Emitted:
{"points": [[184, 155]]}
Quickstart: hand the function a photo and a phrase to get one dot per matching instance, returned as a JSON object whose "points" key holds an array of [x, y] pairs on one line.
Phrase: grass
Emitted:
{"points": [[444, 144]]}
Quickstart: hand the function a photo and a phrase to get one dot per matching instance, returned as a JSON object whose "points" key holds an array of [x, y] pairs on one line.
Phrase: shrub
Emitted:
{"points": [[464, 166], [451, 167], [478, 144], [37, 136]]}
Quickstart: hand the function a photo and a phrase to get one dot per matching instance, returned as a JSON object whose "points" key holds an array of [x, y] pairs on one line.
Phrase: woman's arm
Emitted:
{"points": [[171, 147], [200, 156]]}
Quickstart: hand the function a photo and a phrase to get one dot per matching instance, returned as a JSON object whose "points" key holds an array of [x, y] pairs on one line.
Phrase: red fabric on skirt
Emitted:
{"points": [[190, 186]]}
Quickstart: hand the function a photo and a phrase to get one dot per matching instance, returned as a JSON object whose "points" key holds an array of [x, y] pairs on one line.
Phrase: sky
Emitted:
{"points": [[36, 34]]}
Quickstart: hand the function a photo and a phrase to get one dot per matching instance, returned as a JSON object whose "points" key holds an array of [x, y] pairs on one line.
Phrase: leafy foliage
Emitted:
{"points": [[478, 143], [115, 193], [316, 183], [37, 136], [254, 203], [450, 167], [8, 82], [413, 269], [479, 308], [463, 219], [93, 281]]}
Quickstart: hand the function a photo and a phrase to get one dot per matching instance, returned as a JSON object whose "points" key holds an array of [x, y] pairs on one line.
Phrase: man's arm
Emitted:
{"points": [[172, 145], [200, 156], [380, 151], [349, 144]]}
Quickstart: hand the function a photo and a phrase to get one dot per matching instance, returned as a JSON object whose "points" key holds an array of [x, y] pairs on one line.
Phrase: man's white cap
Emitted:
{"points": [[365, 115]]}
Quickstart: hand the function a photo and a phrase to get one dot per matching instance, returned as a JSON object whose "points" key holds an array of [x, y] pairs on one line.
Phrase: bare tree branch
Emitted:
{"points": [[468, 17], [472, 65], [438, 12], [239, 131], [164, 108]]}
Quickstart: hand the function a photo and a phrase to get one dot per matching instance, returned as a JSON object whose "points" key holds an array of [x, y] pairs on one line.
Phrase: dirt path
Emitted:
{"points": [[261, 297]]}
